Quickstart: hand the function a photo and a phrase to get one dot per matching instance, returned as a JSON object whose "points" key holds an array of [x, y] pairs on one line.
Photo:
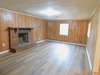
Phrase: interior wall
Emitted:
{"points": [[77, 31], [42, 28], [93, 45], [0, 36], [96, 66], [14, 19], [92, 38]]}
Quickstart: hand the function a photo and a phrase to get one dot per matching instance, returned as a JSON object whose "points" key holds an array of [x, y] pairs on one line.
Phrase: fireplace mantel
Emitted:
{"points": [[11, 28], [20, 38]]}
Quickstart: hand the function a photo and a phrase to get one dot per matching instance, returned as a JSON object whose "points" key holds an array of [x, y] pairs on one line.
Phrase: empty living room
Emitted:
{"points": [[49, 37]]}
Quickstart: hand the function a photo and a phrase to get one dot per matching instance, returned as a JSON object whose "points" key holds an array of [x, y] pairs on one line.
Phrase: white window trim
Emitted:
{"points": [[66, 33]]}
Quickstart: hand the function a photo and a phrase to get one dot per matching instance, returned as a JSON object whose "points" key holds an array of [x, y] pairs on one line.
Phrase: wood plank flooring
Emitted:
{"points": [[48, 58]]}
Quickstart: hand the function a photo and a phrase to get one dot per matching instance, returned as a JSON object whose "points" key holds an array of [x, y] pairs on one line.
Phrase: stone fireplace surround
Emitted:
{"points": [[20, 38]]}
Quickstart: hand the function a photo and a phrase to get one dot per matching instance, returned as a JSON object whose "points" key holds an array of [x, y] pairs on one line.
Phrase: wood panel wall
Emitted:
{"points": [[42, 29], [13, 19], [77, 31], [0, 36]]}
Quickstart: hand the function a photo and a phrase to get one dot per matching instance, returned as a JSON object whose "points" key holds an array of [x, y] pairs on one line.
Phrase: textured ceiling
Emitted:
{"points": [[70, 9]]}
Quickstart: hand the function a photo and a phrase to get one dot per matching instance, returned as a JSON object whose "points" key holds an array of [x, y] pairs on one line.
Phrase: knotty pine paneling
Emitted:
{"points": [[77, 31], [0, 35], [19, 20], [42, 28]]}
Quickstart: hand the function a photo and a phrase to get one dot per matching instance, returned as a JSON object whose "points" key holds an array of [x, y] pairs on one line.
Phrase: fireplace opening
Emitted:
{"points": [[23, 38]]}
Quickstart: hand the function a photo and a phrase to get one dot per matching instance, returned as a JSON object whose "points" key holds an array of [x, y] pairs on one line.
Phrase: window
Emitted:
{"points": [[64, 28]]}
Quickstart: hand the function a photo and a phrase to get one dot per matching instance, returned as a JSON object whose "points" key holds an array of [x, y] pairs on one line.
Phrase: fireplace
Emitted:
{"points": [[23, 38], [20, 38]]}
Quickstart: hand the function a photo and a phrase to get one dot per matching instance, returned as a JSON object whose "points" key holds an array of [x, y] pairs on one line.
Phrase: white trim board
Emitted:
{"points": [[60, 42], [40, 41], [89, 60], [6, 51], [68, 43]]}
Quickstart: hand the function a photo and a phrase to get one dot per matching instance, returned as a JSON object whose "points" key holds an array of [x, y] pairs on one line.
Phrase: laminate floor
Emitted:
{"points": [[48, 58]]}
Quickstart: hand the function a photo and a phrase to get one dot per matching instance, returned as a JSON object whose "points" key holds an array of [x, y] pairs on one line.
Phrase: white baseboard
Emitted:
{"points": [[89, 60], [40, 41], [60, 41], [68, 42], [6, 51]]}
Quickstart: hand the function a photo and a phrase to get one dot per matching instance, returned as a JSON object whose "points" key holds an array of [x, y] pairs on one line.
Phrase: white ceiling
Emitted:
{"points": [[69, 9]]}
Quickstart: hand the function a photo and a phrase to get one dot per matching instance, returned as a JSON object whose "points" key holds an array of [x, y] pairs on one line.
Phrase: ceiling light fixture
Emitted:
{"points": [[50, 12]]}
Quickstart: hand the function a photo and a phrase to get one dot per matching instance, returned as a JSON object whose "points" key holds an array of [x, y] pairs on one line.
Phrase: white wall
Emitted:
{"points": [[97, 47], [91, 44]]}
